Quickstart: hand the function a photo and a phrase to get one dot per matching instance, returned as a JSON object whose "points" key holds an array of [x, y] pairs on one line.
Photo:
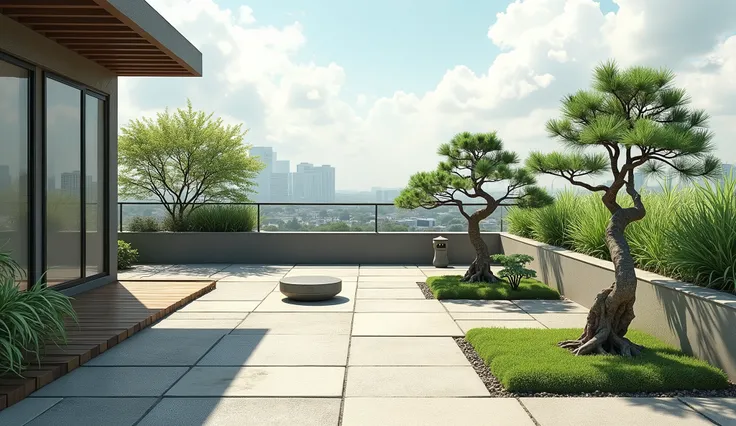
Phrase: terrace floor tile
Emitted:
{"points": [[261, 381], [220, 306], [312, 323], [414, 382], [279, 350], [404, 324], [410, 351], [390, 293], [244, 411], [94, 412], [434, 412], [277, 302], [385, 306], [113, 381], [622, 411]]}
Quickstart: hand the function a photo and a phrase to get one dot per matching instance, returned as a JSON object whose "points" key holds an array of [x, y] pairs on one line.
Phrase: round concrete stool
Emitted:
{"points": [[311, 289]]}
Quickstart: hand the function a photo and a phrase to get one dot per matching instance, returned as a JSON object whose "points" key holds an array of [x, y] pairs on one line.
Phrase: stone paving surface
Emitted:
{"points": [[378, 354]]}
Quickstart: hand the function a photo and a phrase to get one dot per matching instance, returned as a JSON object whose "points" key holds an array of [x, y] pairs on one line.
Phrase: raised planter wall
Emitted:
{"points": [[301, 247], [700, 321]]}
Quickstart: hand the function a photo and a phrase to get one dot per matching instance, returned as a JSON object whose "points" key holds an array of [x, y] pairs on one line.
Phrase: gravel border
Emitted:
{"points": [[425, 290], [497, 390]]}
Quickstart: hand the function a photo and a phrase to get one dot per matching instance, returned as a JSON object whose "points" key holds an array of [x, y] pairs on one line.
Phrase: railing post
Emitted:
{"points": [[258, 213], [375, 220], [120, 216]]}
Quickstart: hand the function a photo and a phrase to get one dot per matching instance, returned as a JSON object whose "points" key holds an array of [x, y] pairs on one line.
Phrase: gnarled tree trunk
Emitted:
{"points": [[480, 269], [613, 310]]}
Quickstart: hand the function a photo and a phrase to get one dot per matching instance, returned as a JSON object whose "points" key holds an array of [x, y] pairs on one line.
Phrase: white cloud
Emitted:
{"points": [[550, 46]]}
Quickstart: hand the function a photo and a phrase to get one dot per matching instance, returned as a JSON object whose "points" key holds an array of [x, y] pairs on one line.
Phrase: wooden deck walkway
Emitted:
{"points": [[107, 316]]}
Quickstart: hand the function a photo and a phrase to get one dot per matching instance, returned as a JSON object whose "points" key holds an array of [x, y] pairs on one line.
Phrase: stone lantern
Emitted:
{"points": [[440, 252]]}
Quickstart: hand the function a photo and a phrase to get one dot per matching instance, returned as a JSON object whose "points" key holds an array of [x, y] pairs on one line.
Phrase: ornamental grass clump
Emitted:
{"points": [[29, 319]]}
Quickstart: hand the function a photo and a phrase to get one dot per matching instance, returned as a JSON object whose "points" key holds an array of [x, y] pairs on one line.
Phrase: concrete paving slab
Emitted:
{"points": [[261, 381], [390, 272], [417, 351], [296, 323], [466, 325], [390, 293], [26, 410], [561, 320], [94, 412], [479, 315], [374, 266], [336, 266], [330, 272], [414, 381], [160, 346], [612, 412], [244, 411], [404, 324], [220, 306], [382, 278], [240, 290], [225, 325], [487, 306], [179, 315], [551, 306], [113, 381], [279, 349], [424, 305], [277, 302], [434, 412], [407, 283], [722, 411]]}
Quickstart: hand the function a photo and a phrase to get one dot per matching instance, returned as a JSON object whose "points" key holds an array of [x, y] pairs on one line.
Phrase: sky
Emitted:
{"points": [[374, 87]]}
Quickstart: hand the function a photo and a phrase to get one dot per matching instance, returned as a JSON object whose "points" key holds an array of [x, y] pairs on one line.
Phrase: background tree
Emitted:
{"points": [[639, 120], [472, 162], [184, 158]]}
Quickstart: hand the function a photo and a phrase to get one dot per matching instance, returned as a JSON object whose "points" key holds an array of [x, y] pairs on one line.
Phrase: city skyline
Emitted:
{"points": [[278, 183], [319, 81]]}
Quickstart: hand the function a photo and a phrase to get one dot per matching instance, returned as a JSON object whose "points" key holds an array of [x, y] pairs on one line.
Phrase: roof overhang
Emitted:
{"points": [[127, 37]]}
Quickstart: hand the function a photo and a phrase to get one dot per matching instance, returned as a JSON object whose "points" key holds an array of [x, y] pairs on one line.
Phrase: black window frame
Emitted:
{"points": [[32, 275], [84, 91]]}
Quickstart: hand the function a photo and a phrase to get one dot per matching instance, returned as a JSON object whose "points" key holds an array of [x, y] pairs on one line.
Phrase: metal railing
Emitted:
{"points": [[259, 205]]}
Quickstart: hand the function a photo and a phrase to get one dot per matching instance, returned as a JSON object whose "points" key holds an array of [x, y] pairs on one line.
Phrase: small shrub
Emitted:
{"points": [[514, 268], [144, 224], [221, 218], [127, 255], [30, 319]]}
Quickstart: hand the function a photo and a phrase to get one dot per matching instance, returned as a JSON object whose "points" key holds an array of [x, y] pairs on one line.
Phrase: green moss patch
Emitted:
{"points": [[451, 287], [529, 360]]}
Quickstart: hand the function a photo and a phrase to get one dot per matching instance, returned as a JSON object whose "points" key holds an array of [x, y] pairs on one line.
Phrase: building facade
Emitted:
{"points": [[58, 122]]}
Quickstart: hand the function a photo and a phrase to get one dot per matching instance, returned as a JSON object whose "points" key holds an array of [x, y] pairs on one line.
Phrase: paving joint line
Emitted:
{"points": [[528, 413], [679, 398]]}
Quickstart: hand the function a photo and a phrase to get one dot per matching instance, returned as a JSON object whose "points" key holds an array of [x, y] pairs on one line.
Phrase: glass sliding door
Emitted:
{"points": [[76, 167], [95, 182], [63, 111], [15, 83]]}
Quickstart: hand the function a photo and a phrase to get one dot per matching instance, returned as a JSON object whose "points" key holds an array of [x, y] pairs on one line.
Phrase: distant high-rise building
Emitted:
{"points": [[314, 184], [281, 166], [386, 195], [71, 182], [263, 180], [5, 179], [281, 181]]}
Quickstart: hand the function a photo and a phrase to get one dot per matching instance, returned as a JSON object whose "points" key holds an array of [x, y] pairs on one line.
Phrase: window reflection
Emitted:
{"points": [[14, 138], [94, 193], [63, 182]]}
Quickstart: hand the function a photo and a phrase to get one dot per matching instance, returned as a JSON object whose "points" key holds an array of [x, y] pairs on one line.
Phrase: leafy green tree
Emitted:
{"points": [[184, 159], [639, 120], [472, 162]]}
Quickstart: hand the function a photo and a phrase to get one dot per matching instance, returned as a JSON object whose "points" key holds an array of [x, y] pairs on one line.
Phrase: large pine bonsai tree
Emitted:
{"points": [[639, 120], [472, 162]]}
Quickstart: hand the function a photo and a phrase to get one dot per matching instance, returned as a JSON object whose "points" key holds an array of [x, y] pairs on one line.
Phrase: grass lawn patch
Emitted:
{"points": [[451, 287], [529, 360]]}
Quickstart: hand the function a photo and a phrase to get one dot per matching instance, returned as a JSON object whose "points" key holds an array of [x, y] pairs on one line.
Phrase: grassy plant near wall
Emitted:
{"points": [[144, 224], [29, 319], [222, 218], [688, 233]]}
